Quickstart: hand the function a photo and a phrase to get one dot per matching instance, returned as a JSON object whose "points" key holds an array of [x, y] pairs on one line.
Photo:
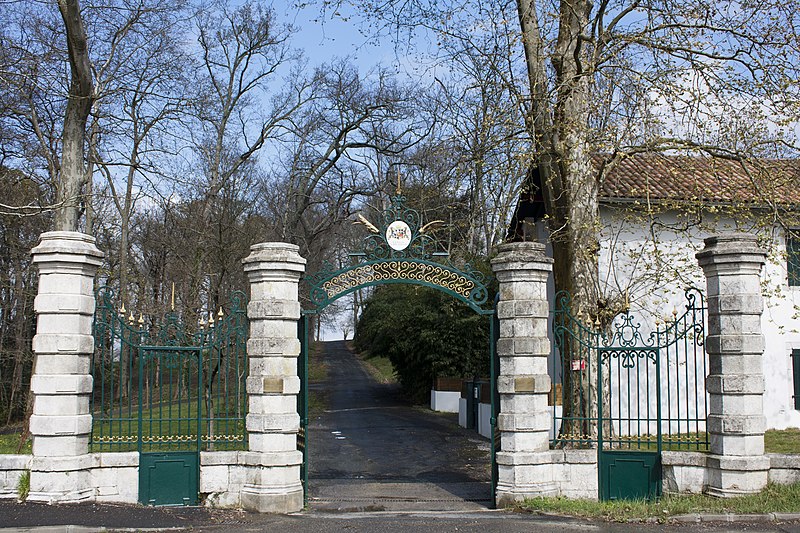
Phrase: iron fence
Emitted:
{"points": [[630, 386], [160, 387]]}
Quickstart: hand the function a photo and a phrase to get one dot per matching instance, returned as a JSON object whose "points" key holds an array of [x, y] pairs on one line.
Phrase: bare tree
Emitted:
{"points": [[246, 59], [74, 175], [618, 78], [141, 73], [329, 151]]}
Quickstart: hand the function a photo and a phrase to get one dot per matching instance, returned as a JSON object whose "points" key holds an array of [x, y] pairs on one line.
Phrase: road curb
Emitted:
{"points": [[733, 517]]}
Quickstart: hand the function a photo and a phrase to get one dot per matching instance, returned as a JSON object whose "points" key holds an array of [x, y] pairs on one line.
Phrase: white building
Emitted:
{"points": [[657, 209]]}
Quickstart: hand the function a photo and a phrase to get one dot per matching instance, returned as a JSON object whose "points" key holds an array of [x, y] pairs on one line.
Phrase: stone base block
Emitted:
{"points": [[508, 496], [281, 499], [12, 468], [229, 499], [575, 472], [736, 476], [118, 485], [61, 487], [784, 469], [523, 476], [683, 472]]}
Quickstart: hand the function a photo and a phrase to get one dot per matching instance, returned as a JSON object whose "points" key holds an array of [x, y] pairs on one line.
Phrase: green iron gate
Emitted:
{"points": [[168, 393], [399, 251], [630, 393]]}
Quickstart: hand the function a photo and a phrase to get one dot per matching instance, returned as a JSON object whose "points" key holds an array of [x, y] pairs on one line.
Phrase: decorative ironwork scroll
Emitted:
{"points": [[399, 250]]}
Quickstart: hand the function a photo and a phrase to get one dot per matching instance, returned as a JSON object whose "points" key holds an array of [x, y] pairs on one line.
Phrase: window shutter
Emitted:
{"points": [[796, 376], [793, 261]]}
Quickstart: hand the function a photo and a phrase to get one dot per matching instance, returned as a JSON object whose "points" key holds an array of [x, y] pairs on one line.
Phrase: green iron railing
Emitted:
{"points": [[160, 387], [621, 389]]}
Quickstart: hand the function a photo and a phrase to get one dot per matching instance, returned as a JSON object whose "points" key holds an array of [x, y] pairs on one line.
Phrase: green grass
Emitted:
{"points": [[317, 373], [773, 499], [24, 486], [380, 368], [786, 441], [317, 369], [10, 442], [782, 441]]}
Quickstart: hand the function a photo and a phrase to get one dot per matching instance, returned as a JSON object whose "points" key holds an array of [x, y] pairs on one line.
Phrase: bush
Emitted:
{"points": [[425, 334]]}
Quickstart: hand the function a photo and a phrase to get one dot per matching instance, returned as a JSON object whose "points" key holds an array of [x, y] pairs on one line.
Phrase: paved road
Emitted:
{"points": [[90, 517], [371, 450]]}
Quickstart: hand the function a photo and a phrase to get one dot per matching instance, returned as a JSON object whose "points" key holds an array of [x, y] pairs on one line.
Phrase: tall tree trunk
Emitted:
{"points": [[79, 102], [569, 183]]}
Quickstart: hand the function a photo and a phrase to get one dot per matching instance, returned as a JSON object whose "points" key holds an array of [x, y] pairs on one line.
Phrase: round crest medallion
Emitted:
{"points": [[398, 235]]}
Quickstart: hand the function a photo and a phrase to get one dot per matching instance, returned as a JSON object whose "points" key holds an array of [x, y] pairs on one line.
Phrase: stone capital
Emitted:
{"points": [[274, 261], [729, 253], [65, 248], [521, 256]]}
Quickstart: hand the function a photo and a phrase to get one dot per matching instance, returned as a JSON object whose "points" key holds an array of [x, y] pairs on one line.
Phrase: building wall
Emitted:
{"points": [[653, 259]]}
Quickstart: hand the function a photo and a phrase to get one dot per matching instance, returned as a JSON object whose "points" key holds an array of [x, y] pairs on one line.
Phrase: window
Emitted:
{"points": [[796, 375], [793, 259]]}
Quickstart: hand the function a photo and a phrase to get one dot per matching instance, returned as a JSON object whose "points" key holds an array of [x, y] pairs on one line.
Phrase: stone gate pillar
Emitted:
{"points": [[272, 464], [61, 383], [732, 264], [524, 459]]}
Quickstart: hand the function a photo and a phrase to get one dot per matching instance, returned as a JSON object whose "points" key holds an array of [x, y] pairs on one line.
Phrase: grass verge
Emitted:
{"points": [[379, 368], [782, 441], [317, 369], [317, 373], [773, 499]]}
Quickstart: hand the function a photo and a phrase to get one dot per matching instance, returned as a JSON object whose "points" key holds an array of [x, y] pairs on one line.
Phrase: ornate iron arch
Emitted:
{"points": [[400, 250]]}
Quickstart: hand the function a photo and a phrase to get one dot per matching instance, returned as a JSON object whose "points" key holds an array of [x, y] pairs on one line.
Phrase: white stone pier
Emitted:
{"points": [[61, 383], [732, 264], [524, 460], [272, 464]]}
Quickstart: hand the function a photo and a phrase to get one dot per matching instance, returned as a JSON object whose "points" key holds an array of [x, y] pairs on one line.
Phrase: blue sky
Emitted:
{"points": [[333, 37]]}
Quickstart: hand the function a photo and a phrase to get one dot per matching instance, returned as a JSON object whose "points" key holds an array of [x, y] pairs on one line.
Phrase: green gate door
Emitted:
{"points": [[170, 424], [630, 392], [629, 459], [168, 393]]}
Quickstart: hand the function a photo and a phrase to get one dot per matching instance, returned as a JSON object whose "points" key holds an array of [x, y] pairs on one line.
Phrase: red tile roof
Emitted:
{"points": [[706, 179]]}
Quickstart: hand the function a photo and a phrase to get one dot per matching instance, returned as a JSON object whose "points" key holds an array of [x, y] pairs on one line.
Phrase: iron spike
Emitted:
{"points": [[220, 313]]}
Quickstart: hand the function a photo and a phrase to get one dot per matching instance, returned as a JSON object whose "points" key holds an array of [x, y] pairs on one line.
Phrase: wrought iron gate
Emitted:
{"points": [[399, 251], [168, 393], [632, 392]]}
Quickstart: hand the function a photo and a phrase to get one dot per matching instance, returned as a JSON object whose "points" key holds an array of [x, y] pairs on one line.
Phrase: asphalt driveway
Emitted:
{"points": [[372, 450]]}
